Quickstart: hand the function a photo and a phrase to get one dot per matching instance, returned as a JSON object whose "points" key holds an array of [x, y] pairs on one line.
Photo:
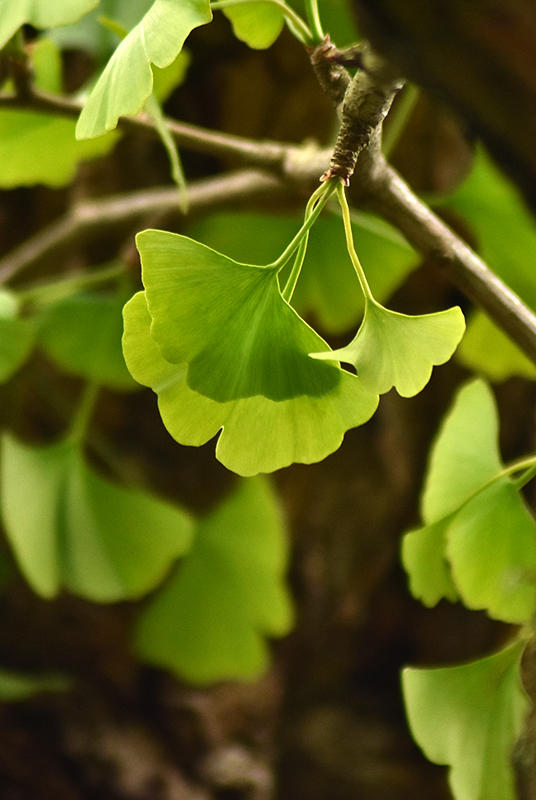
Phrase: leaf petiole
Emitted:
{"points": [[316, 203], [84, 412], [365, 288], [528, 465], [295, 23], [313, 18]]}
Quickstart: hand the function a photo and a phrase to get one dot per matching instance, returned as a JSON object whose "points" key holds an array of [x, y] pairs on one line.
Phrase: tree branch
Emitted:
{"points": [[88, 219], [382, 191], [377, 188]]}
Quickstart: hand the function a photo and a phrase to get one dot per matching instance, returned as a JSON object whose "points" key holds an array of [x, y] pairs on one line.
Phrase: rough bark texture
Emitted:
{"points": [[479, 57]]}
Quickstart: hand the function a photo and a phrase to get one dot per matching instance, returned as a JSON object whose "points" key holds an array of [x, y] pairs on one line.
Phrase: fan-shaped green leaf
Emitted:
{"points": [[470, 717], [465, 456], [16, 337], [259, 435], [40, 14], [229, 322], [256, 24], [491, 545], [425, 561], [209, 622], [82, 333], [392, 349], [127, 80], [327, 288], [82, 532]]}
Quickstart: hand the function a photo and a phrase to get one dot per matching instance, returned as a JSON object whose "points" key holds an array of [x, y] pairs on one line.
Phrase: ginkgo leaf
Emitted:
{"points": [[424, 559], [127, 80], [210, 621], [229, 322], [491, 546], [39, 147], [259, 435], [328, 288], [256, 24], [392, 349], [40, 14], [17, 336], [465, 455], [66, 327], [469, 717], [82, 532]]}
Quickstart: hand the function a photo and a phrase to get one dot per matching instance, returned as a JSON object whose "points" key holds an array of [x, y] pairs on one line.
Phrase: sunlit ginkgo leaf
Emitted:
{"points": [[259, 435], [392, 349], [127, 80], [229, 322], [469, 717], [465, 455]]}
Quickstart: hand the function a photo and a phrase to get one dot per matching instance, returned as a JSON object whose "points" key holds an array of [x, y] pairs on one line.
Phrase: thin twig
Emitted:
{"points": [[382, 191], [89, 218]]}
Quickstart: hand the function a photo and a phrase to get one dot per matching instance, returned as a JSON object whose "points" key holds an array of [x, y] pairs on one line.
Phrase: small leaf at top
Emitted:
{"points": [[229, 322], [209, 622], [127, 80], [469, 717], [82, 532], [465, 456], [256, 24], [392, 349], [259, 435], [40, 14]]}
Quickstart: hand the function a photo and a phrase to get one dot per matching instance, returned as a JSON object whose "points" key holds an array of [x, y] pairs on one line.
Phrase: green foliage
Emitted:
{"points": [[470, 505], [470, 717], [17, 336], [257, 24], [66, 326], [127, 80], [210, 620], [327, 290], [41, 148], [224, 344], [392, 349], [82, 532], [40, 14], [493, 206], [259, 435]]}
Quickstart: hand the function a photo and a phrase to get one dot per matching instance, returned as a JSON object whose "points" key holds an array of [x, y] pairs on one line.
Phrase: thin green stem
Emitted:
{"points": [[365, 288], [528, 465], [318, 199], [398, 118], [290, 285], [296, 24], [49, 292], [313, 18], [84, 412]]}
